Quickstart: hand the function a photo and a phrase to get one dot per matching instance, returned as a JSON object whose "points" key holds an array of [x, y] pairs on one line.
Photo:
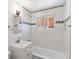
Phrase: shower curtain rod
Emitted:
{"points": [[59, 22], [35, 23], [48, 8], [64, 20], [29, 23], [42, 9]]}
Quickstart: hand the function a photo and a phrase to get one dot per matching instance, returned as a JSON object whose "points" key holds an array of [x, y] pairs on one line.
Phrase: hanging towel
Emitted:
{"points": [[51, 22]]}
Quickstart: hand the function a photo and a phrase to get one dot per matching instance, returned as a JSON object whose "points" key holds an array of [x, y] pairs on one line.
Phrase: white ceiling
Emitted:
{"points": [[36, 5]]}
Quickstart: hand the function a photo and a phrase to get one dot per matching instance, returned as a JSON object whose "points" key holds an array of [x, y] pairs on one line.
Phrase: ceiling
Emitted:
{"points": [[37, 5]]}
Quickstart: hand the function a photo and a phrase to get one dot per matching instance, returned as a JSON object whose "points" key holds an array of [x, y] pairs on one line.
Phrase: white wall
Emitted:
{"points": [[26, 28], [12, 6], [67, 38], [67, 35], [67, 43], [67, 8], [58, 13], [50, 39]]}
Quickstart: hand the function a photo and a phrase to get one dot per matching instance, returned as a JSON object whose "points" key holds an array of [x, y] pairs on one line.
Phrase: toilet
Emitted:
{"points": [[9, 53]]}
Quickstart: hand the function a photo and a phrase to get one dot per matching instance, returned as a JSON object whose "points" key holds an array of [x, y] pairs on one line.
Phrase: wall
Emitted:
{"points": [[50, 39], [67, 8], [67, 35], [67, 38], [12, 7], [26, 28]]}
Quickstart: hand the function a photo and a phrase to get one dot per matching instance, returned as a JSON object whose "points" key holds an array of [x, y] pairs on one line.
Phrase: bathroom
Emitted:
{"points": [[39, 29]]}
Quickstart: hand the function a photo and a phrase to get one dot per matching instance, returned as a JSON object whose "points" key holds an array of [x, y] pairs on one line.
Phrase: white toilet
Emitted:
{"points": [[9, 54]]}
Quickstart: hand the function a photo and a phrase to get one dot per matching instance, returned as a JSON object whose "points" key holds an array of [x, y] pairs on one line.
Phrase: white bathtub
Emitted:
{"points": [[47, 54]]}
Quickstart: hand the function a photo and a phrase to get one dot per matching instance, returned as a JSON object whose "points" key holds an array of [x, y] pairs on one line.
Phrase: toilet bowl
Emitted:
{"points": [[9, 54]]}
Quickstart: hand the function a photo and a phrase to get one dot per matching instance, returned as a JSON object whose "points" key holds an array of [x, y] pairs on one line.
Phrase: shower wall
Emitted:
{"points": [[13, 6], [49, 38], [67, 35], [26, 28]]}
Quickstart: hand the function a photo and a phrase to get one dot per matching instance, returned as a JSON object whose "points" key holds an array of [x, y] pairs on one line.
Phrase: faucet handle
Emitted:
{"points": [[19, 39]]}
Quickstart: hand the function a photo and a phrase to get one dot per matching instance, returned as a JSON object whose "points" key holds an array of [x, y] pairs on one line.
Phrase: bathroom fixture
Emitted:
{"points": [[59, 22], [21, 50], [42, 9], [43, 53], [18, 12], [45, 6], [19, 39], [29, 23], [48, 8]]}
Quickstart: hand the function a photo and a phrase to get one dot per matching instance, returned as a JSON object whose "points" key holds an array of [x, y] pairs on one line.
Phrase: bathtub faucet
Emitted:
{"points": [[19, 39]]}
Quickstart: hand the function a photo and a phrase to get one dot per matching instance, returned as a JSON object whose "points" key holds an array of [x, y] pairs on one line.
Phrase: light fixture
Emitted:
{"points": [[18, 12]]}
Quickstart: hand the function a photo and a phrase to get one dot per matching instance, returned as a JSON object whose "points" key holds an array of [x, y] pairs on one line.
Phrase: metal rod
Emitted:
{"points": [[29, 23], [42, 9], [35, 23], [26, 9], [59, 22], [48, 8]]}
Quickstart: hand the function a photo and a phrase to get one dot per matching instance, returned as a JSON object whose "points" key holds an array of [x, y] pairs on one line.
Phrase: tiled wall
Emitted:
{"points": [[11, 6], [11, 12], [68, 29], [50, 39]]}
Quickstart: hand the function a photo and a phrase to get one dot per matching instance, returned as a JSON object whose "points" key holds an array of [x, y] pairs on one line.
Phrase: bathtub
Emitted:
{"points": [[43, 53]]}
